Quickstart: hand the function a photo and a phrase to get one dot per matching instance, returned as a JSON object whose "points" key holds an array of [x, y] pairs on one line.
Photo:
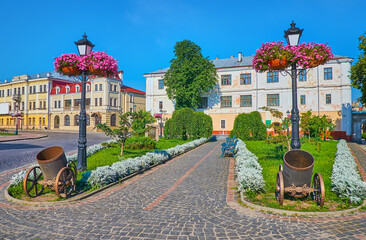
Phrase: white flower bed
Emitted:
{"points": [[248, 170], [346, 181], [108, 174]]}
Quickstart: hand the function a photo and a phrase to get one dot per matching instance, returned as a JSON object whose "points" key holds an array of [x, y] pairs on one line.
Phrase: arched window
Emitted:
{"points": [[77, 87], [76, 120], [67, 89], [57, 121], [67, 120], [113, 120]]}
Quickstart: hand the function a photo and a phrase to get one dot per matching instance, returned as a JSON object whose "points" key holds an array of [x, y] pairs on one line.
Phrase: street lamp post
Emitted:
{"points": [[292, 36], [161, 123], [84, 47]]}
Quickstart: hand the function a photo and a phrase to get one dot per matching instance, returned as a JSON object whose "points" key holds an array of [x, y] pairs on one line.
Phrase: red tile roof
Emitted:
{"points": [[63, 85], [132, 90]]}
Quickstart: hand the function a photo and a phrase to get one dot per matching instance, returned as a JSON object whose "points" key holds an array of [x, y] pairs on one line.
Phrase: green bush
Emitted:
{"points": [[363, 135], [140, 143], [249, 126], [188, 124]]}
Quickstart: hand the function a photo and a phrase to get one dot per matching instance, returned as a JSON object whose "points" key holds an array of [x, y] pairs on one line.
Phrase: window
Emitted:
{"points": [[245, 78], [29, 121], [328, 98], [302, 75], [115, 88], [223, 124], [67, 120], [40, 120], [161, 84], [30, 105], [160, 105], [328, 74], [57, 90], [96, 87], [34, 121], [59, 104], [100, 87], [130, 109], [226, 80], [115, 102], [34, 105], [77, 102], [87, 102], [22, 90], [22, 105], [19, 90], [100, 102], [40, 105], [131, 98], [225, 101], [67, 89], [77, 88], [88, 88], [246, 101], [272, 77], [110, 87], [44, 121], [30, 89], [204, 102], [44, 105], [45, 88], [67, 103], [96, 101], [76, 120], [273, 100], [302, 100], [15, 91], [34, 89], [40, 88], [110, 102], [113, 120]]}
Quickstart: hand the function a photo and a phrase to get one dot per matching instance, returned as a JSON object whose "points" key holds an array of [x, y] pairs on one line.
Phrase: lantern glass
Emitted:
{"points": [[293, 35], [293, 39], [84, 46]]}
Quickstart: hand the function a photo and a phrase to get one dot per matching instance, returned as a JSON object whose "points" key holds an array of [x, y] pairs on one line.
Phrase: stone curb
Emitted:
{"points": [[87, 194], [25, 138], [297, 213]]}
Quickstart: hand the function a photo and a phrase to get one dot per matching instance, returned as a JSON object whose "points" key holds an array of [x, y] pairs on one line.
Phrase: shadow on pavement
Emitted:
{"points": [[8, 146]]}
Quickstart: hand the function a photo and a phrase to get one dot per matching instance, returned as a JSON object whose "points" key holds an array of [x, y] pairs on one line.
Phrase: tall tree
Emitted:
{"points": [[358, 70], [189, 75]]}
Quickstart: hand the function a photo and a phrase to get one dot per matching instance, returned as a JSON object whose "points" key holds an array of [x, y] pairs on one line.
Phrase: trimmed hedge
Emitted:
{"points": [[249, 126], [188, 124], [140, 143]]}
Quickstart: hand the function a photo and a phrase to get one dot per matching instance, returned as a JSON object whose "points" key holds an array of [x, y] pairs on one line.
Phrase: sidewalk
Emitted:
{"points": [[21, 136]]}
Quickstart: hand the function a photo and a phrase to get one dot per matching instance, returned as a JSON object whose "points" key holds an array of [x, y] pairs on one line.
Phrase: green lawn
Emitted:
{"points": [[270, 160], [6, 134], [109, 156]]}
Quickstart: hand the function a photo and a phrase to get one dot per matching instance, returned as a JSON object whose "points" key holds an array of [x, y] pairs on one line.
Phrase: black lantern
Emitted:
{"points": [[293, 35], [84, 46]]}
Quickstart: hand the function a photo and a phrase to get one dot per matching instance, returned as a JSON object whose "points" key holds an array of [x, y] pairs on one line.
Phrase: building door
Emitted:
{"points": [[57, 122]]}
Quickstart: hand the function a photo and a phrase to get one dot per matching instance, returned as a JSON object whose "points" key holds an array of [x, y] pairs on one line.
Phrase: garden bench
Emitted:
{"points": [[229, 146]]}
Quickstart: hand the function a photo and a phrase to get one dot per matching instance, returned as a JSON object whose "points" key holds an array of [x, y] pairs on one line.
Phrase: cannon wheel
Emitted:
{"points": [[319, 190], [280, 189], [72, 164], [30, 182], [65, 182]]}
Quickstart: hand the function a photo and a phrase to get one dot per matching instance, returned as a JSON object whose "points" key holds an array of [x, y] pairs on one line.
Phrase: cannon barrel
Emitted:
{"points": [[297, 168], [51, 160]]}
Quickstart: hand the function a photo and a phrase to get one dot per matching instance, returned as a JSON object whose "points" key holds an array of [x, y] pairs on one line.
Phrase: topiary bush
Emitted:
{"points": [[188, 124], [140, 143], [249, 126]]}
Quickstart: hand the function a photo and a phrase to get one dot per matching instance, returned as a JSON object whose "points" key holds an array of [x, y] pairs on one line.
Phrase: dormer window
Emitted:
{"points": [[57, 90], [77, 87], [67, 89], [88, 87]]}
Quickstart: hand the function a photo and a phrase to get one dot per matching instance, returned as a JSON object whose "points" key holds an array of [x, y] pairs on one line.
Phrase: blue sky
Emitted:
{"points": [[141, 34]]}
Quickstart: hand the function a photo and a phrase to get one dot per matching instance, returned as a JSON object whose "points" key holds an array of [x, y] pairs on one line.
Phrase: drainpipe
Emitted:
{"points": [[317, 75]]}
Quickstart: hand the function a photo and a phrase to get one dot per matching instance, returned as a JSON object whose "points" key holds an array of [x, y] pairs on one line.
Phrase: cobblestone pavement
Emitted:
{"points": [[185, 198]]}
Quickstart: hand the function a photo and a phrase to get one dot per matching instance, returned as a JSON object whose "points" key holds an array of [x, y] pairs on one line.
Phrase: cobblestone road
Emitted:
{"points": [[185, 198]]}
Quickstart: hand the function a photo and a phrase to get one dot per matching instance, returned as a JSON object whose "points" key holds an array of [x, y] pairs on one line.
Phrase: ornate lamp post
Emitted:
{"points": [[84, 47], [161, 123], [292, 36]]}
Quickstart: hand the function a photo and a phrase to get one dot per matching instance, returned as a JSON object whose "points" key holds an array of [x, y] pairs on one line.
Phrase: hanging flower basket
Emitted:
{"points": [[277, 64], [68, 64], [100, 64], [97, 72], [71, 71], [314, 63]]}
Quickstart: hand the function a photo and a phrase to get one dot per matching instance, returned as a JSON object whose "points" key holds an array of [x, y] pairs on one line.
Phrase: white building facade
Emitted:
{"points": [[240, 89]]}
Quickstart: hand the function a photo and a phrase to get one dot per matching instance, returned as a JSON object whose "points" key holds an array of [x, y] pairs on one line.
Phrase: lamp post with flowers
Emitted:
{"points": [[83, 65]]}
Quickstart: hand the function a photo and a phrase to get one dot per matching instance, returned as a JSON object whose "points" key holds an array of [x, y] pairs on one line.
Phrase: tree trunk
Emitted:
{"points": [[309, 134], [122, 149]]}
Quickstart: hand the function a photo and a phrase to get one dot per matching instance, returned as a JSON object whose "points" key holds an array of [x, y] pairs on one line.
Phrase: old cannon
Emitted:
{"points": [[294, 177], [53, 172]]}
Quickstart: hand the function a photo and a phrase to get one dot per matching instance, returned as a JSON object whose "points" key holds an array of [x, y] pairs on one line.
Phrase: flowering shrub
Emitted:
{"points": [[308, 55], [108, 174], [101, 61], [346, 180], [248, 170], [67, 60], [269, 51]]}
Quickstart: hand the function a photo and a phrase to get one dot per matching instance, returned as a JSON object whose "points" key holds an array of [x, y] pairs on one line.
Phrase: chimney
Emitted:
{"points": [[240, 57], [38, 75]]}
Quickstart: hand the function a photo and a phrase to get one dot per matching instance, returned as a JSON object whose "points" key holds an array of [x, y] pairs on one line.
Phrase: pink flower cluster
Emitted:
{"points": [[101, 61], [157, 115], [305, 55]]}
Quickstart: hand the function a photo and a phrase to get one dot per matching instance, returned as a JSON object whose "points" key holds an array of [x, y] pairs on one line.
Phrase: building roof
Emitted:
{"points": [[63, 85], [132, 90], [230, 62]]}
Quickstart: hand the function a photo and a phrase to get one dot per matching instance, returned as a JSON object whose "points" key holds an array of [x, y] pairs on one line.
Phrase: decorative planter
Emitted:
{"points": [[94, 71], [69, 70], [314, 63], [276, 64]]}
